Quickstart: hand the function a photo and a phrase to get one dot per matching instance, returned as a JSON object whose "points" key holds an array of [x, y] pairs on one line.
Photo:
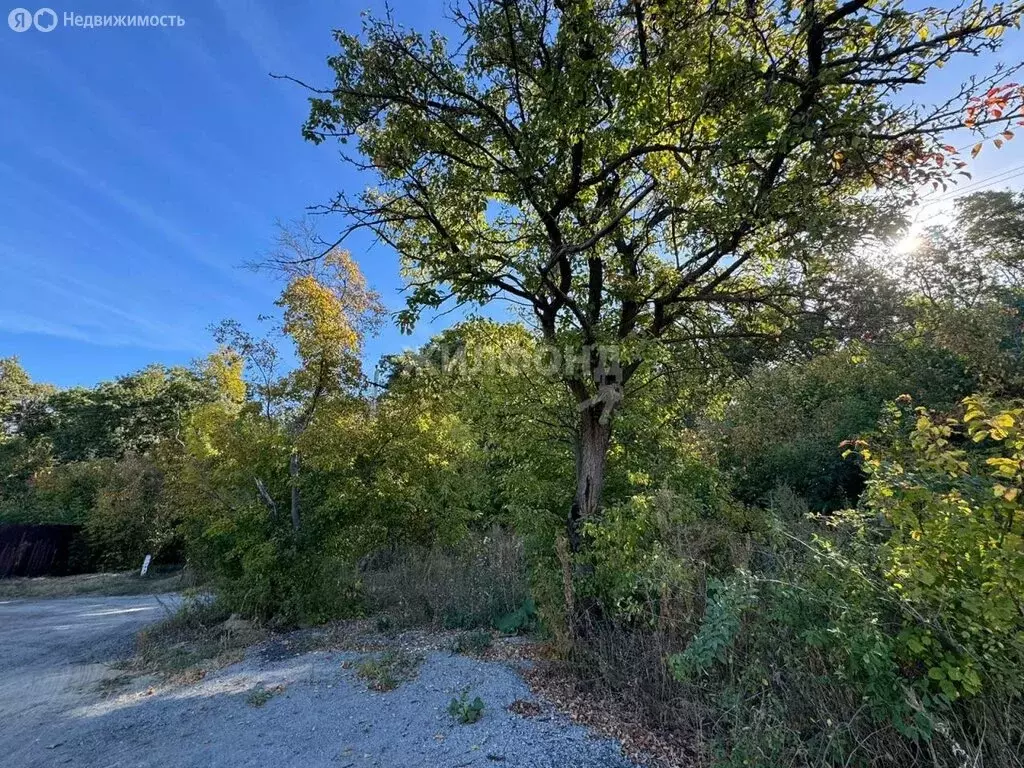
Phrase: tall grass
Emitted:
{"points": [[468, 585]]}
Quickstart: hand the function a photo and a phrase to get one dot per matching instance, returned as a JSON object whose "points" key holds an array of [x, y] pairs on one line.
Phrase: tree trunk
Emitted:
{"points": [[591, 455], [293, 473]]}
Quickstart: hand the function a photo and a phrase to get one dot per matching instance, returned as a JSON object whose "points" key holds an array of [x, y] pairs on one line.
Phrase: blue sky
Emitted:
{"points": [[140, 167]]}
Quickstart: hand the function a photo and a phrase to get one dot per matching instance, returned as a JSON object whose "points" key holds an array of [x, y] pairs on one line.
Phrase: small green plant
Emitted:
{"points": [[727, 600], [473, 643], [464, 711], [260, 695], [389, 670]]}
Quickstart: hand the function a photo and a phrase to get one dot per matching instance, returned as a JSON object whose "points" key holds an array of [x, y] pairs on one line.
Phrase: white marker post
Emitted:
{"points": [[145, 565]]}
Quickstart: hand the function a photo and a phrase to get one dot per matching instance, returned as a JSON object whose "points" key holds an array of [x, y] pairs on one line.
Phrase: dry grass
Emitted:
{"points": [[199, 638], [471, 585], [110, 584]]}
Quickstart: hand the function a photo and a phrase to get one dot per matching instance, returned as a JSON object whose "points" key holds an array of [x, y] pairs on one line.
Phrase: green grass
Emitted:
{"points": [[113, 584]]}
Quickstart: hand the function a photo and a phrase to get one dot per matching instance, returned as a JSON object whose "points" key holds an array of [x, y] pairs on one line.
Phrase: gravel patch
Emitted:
{"points": [[319, 713]]}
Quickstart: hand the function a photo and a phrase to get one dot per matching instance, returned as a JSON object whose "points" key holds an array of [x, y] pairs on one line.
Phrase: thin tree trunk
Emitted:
{"points": [[293, 473]]}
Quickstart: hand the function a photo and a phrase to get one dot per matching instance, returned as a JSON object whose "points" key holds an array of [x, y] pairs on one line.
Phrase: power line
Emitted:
{"points": [[998, 179], [974, 186]]}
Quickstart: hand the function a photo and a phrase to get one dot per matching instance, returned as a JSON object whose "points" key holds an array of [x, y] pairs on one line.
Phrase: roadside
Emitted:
{"points": [[52, 652], [98, 584], [347, 695]]}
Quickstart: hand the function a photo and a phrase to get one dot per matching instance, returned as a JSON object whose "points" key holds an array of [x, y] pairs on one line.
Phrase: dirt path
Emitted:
{"points": [[316, 711]]}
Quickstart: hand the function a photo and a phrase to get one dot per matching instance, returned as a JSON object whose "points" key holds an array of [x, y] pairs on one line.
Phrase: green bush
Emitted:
{"points": [[785, 423], [944, 497], [887, 633], [650, 553], [522, 619], [474, 643]]}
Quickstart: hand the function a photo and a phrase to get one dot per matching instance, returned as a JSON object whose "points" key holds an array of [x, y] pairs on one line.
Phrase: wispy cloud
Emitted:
{"points": [[187, 245], [41, 298], [142, 141]]}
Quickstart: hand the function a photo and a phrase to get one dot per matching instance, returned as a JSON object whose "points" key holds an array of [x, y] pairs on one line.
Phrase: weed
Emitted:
{"points": [[389, 670], [260, 695], [465, 587], [464, 711], [199, 637]]}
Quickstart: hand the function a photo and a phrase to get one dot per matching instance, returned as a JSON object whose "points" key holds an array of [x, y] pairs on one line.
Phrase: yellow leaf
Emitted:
{"points": [[1003, 420], [976, 150]]}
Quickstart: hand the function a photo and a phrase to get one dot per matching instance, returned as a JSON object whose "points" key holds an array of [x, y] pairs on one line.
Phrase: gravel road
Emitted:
{"points": [[53, 655]]}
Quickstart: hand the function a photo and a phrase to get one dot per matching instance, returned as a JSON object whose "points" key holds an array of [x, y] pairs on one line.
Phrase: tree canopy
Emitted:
{"points": [[637, 173]]}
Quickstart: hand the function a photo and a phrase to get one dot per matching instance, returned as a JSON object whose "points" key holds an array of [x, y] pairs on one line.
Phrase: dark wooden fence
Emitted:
{"points": [[36, 550]]}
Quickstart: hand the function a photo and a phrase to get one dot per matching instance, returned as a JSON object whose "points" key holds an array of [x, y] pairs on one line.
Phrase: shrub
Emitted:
{"points": [[884, 634], [522, 619], [944, 496], [785, 423], [648, 556], [259, 568]]}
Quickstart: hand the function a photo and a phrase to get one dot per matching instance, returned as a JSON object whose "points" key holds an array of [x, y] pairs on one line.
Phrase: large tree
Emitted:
{"points": [[640, 173]]}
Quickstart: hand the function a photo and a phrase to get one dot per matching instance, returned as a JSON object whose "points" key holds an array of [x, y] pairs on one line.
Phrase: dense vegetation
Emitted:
{"points": [[753, 472]]}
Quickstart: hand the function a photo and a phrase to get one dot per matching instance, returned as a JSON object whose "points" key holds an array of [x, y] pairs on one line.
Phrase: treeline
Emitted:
{"points": [[94, 457], [809, 546]]}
